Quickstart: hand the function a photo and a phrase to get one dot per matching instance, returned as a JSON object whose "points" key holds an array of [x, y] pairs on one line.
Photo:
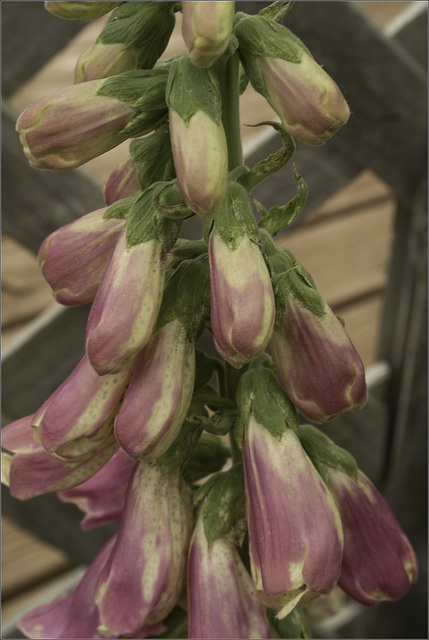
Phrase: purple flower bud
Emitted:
{"points": [[76, 615], [79, 10], [309, 103], [122, 182], [222, 600], [378, 561], [102, 497], [201, 161], [206, 30], [295, 536], [279, 66], [319, 367], [69, 127], [74, 257], [158, 397], [242, 299], [145, 574], [126, 306], [77, 418], [32, 472], [102, 61]]}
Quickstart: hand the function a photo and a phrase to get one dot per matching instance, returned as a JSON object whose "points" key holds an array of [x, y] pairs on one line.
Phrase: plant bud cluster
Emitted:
{"points": [[134, 435]]}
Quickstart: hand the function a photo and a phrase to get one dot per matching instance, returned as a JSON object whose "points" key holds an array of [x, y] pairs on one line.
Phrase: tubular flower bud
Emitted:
{"points": [[126, 306], [309, 103], [31, 471], [222, 600], [122, 182], [77, 419], [135, 36], [378, 561], [103, 60], [150, 161], [158, 397], [206, 30], [319, 367], [79, 10], [76, 615], [295, 536], [242, 298], [102, 497], [69, 127], [74, 257], [145, 574], [197, 137]]}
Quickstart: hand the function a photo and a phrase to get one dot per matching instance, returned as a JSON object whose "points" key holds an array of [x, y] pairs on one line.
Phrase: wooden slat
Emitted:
{"points": [[347, 256], [27, 560]]}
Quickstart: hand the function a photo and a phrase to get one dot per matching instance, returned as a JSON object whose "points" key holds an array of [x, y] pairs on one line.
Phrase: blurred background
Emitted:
{"points": [[362, 238]]}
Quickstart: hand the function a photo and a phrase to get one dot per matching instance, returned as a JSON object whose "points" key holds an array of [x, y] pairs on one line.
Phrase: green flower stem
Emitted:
{"points": [[229, 83], [232, 378]]}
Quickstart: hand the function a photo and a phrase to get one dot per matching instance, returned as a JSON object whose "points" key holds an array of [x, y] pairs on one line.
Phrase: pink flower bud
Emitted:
{"points": [[103, 60], [378, 561], [102, 497], [74, 257], [71, 126], [122, 182], [77, 419], [309, 103], [319, 367], [206, 30], [279, 66], [79, 10], [201, 161], [31, 471], [295, 536], [222, 600], [242, 299], [145, 574], [76, 615], [158, 397], [126, 306]]}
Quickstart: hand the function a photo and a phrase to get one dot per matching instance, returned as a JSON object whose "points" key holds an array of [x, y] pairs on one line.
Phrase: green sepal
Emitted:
{"points": [[209, 397], [234, 219], [191, 89], [260, 395], [145, 223], [293, 626], [208, 456], [142, 123], [220, 423], [179, 451], [324, 453], [187, 296], [153, 157], [120, 209], [274, 162], [145, 27], [144, 89], [224, 503], [243, 80], [170, 203], [276, 10], [186, 250], [282, 216], [261, 36], [290, 279]]}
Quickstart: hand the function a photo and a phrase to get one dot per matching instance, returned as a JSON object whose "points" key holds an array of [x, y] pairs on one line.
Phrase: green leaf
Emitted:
{"points": [[325, 453], [120, 209], [224, 505], [275, 161], [281, 217], [208, 456], [276, 10]]}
